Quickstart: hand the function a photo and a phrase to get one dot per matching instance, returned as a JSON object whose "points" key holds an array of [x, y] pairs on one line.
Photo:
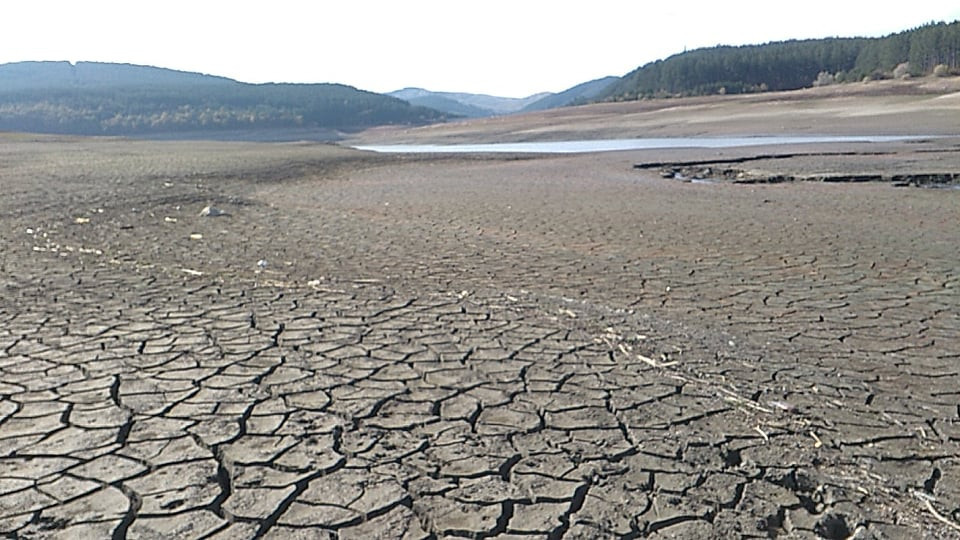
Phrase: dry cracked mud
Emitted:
{"points": [[467, 346]]}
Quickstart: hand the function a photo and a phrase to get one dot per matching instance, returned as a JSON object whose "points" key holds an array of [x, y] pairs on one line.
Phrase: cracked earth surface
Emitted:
{"points": [[467, 347]]}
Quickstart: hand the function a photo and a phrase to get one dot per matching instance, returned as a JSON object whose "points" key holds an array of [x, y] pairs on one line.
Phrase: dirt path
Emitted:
{"points": [[401, 347]]}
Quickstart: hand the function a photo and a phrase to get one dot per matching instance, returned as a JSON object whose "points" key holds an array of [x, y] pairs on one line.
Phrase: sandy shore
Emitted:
{"points": [[376, 346]]}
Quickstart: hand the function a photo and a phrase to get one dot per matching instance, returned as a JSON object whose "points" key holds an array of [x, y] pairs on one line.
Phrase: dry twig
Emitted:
{"points": [[937, 515], [731, 396]]}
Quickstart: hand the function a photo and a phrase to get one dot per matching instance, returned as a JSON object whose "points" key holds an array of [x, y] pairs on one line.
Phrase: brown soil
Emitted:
{"points": [[378, 346]]}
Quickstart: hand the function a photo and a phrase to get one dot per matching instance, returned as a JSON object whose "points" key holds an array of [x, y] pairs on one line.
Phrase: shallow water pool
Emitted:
{"points": [[611, 145]]}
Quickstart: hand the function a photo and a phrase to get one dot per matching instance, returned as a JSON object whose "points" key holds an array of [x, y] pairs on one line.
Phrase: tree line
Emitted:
{"points": [[789, 65], [137, 101]]}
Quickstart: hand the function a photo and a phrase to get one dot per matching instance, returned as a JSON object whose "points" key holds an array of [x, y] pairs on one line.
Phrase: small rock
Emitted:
{"points": [[212, 211], [833, 527]]}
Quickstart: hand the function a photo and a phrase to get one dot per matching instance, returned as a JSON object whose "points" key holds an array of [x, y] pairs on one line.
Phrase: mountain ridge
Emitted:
{"points": [[47, 74], [483, 105], [475, 105]]}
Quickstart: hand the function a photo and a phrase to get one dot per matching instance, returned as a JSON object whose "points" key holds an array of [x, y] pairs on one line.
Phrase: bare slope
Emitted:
{"points": [[928, 106]]}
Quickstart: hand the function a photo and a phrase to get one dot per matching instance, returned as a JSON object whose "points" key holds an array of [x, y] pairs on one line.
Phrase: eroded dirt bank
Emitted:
{"points": [[469, 346]]}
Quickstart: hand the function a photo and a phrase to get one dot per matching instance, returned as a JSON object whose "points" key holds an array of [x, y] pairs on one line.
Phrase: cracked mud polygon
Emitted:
{"points": [[470, 346]]}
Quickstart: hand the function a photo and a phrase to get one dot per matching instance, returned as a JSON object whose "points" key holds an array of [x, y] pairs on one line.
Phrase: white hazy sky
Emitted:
{"points": [[507, 48]]}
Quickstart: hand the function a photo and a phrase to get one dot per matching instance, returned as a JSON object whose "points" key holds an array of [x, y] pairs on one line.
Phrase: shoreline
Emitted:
{"points": [[896, 107], [618, 145]]}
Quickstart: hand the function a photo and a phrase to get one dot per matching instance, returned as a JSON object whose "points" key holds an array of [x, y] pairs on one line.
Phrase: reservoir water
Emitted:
{"points": [[611, 145]]}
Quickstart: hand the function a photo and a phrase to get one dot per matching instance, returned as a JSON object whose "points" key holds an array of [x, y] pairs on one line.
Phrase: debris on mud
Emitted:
{"points": [[741, 176], [832, 167]]}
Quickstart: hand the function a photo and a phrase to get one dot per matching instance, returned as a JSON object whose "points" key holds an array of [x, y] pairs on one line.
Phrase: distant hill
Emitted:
{"points": [[790, 65], [499, 105], [435, 100], [465, 104], [578, 95], [90, 98]]}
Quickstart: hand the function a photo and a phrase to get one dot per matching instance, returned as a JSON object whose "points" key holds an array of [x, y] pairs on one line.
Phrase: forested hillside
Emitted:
{"points": [[789, 65], [114, 99]]}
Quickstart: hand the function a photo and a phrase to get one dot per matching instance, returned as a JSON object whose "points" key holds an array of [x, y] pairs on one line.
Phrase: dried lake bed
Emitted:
{"points": [[361, 345]]}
